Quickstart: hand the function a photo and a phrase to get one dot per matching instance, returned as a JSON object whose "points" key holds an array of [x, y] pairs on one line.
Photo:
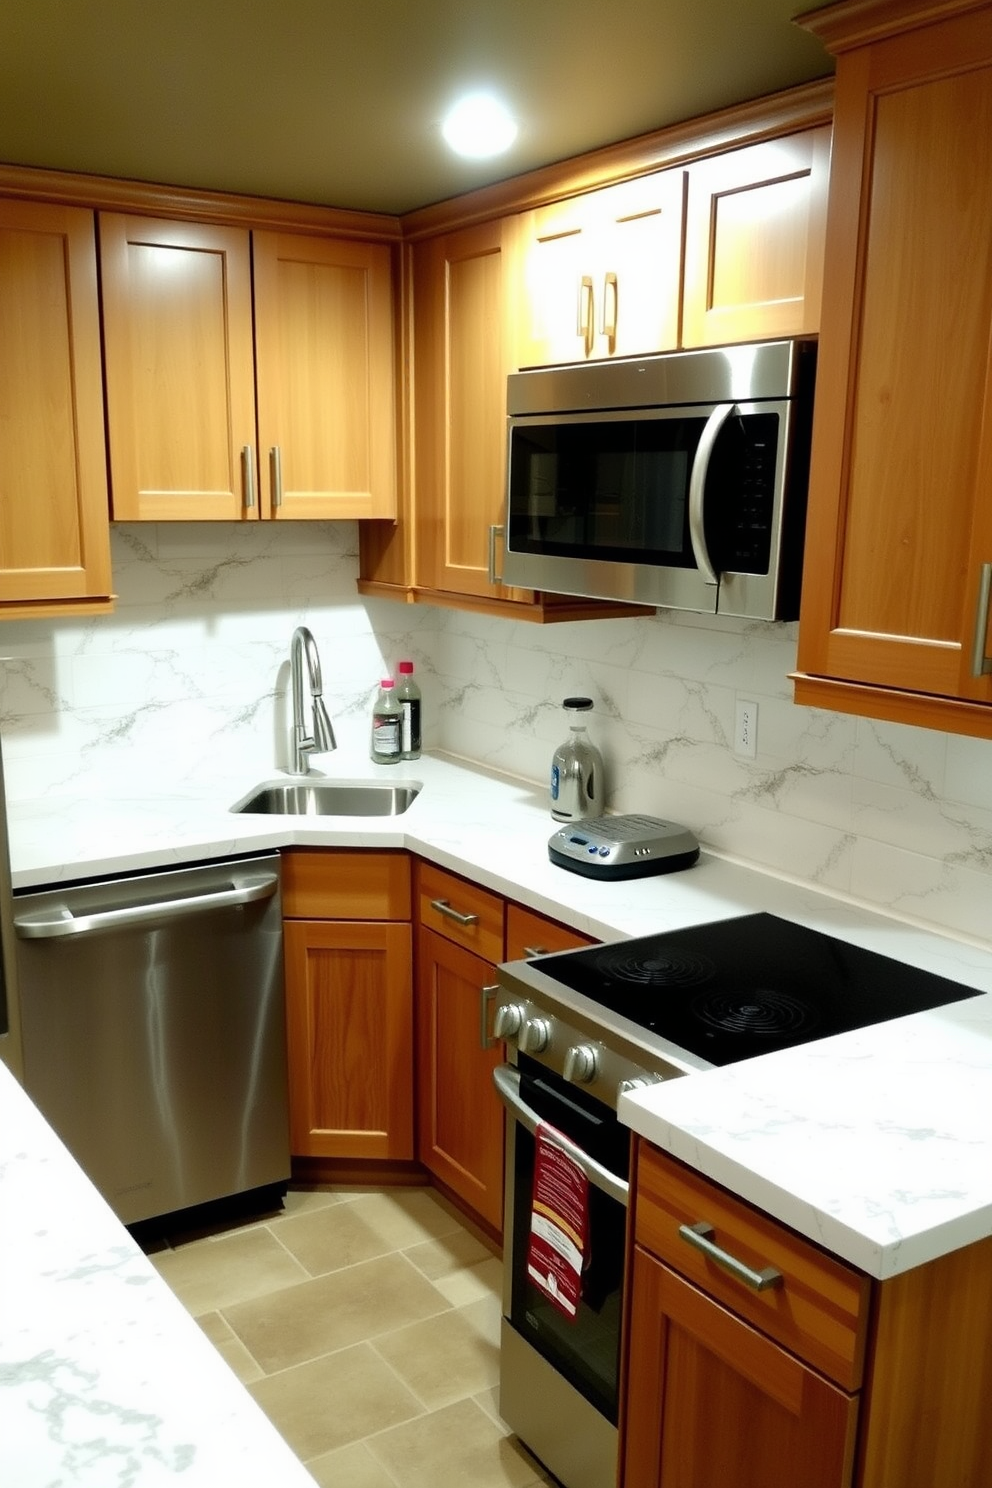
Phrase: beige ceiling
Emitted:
{"points": [[339, 101]]}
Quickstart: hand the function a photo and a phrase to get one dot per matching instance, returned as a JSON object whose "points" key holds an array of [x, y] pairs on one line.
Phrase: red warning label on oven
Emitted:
{"points": [[559, 1223]]}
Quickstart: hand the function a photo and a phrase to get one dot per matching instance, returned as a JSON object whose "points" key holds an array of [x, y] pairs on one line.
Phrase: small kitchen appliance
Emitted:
{"points": [[623, 847], [577, 783], [583, 1026]]}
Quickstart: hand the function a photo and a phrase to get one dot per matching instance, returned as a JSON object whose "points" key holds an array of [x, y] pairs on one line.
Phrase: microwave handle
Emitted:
{"points": [[697, 490]]}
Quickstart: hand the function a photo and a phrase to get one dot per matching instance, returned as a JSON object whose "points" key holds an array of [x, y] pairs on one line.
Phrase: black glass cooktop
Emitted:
{"points": [[736, 988]]}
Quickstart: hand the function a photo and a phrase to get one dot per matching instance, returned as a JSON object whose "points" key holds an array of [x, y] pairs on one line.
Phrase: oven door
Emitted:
{"points": [[559, 1375]]}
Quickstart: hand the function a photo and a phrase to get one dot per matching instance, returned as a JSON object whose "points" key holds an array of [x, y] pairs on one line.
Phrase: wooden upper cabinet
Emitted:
{"points": [[54, 528], [325, 376], [894, 621], [184, 356], [180, 369], [599, 275], [755, 224]]}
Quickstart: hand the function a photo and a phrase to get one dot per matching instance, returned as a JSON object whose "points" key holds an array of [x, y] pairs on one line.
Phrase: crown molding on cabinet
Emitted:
{"points": [[857, 23]]}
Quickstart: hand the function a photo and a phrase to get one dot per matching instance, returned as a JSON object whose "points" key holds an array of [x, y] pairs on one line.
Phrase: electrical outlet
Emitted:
{"points": [[746, 729]]}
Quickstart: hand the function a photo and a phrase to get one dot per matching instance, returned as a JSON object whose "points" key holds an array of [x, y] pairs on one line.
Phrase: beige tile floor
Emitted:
{"points": [[365, 1322]]}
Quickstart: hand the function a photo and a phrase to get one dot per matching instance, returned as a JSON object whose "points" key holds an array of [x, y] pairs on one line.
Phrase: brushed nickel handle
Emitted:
{"points": [[585, 320], [248, 475], [486, 995], [275, 466], [981, 663], [496, 530], [444, 908], [58, 922], [697, 1235], [611, 298], [535, 950]]}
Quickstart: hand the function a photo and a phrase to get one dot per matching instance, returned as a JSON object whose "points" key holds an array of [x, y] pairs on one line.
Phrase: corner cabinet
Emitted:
{"points": [[895, 613], [825, 1379], [348, 949], [55, 532], [249, 374]]}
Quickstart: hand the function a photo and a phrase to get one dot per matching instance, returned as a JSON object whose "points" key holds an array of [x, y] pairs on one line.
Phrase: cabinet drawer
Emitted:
{"points": [[331, 885], [532, 934], [460, 911], [820, 1308]]}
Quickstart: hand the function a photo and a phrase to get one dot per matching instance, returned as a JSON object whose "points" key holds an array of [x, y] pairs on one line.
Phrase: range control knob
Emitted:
{"points": [[581, 1064], [534, 1036], [506, 1024], [636, 1082]]}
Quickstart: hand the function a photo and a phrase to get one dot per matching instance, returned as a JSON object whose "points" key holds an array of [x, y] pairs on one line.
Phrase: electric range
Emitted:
{"points": [[636, 1011]]}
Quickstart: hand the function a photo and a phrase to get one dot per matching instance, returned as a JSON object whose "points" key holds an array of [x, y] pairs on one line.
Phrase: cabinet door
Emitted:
{"points": [[755, 225], [531, 934], [710, 1400], [460, 1117], [54, 529], [462, 353], [325, 376], [179, 363], [600, 274], [349, 1020], [900, 524]]}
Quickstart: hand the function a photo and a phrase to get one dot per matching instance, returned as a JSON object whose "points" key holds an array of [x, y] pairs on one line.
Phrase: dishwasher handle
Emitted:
{"points": [[53, 924]]}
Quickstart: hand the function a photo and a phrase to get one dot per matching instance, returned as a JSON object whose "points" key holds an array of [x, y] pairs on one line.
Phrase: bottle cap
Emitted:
{"points": [[387, 683], [406, 666], [578, 704]]}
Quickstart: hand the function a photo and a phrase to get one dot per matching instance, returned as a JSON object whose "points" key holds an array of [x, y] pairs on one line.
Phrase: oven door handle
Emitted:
{"points": [[507, 1082]]}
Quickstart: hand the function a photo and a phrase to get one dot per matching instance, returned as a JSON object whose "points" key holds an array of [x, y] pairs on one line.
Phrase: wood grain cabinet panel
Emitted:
{"points": [[54, 527], [755, 224], [348, 947], [899, 537], [249, 374], [531, 934], [600, 275]]}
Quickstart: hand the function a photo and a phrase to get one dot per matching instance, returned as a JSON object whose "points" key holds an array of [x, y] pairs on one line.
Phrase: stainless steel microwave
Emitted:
{"points": [[674, 480]]}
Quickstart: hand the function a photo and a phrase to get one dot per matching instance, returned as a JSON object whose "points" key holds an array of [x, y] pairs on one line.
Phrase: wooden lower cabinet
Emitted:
{"points": [[460, 1118], [349, 1004], [827, 1380], [712, 1400]]}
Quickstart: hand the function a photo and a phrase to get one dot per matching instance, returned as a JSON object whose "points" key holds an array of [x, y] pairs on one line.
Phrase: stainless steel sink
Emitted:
{"points": [[329, 798]]}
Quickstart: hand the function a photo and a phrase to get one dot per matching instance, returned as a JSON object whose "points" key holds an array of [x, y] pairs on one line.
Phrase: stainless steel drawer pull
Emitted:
{"points": [[248, 475], [444, 908], [486, 997], [496, 531], [981, 662], [275, 468], [535, 950], [698, 1235]]}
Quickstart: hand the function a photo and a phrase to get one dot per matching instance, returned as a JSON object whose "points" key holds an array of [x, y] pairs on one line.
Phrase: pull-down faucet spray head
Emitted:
{"points": [[321, 739]]}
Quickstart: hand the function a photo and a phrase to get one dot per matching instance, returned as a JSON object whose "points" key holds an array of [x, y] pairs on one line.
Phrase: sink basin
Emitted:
{"points": [[329, 798]]}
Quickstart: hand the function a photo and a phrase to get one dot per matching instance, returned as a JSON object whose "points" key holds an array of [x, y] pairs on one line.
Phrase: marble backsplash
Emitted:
{"points": [[188, 681]]}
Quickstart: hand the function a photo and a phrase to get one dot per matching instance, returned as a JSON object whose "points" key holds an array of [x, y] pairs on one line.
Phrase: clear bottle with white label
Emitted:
{"points": [[577, 769], [387, 725], [408, 696]]}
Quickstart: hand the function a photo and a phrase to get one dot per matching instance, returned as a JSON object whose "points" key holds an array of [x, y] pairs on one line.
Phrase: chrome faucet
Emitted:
{"points": [[322, 738]]}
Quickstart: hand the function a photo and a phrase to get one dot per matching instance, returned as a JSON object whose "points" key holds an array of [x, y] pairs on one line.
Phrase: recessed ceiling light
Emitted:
{"points": [[479, 125]]}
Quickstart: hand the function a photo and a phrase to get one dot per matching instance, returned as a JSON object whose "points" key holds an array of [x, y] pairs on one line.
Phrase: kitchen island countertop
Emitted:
{"points": [[877, 1143]]}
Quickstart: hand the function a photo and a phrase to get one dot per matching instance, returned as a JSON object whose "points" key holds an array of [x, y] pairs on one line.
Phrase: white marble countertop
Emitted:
{"points": [[877, 1144], [105, 1378]]}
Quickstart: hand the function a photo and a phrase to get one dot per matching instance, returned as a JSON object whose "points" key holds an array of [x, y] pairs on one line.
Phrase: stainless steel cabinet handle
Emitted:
{"points": [[585, 319], [444, 908], [495, 531], [697, 489], [981, 663], [698, 1235], [507, 1082], [535, 950], [248, 475], [53, 924], [275, 467], [486, 995], [611, 298]]}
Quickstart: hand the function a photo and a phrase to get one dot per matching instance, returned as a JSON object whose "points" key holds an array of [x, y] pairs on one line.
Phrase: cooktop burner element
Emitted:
{"points": [[736, 988]]}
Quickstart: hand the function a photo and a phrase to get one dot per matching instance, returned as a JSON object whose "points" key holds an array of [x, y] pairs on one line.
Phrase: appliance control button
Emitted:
{"points": [[509, 1017], [534, 1036], [581, 1064], [636, 1082]]}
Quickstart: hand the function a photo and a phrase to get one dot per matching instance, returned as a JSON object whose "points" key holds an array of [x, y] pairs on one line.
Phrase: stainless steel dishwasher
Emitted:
{"points": [[154, 1031]]}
